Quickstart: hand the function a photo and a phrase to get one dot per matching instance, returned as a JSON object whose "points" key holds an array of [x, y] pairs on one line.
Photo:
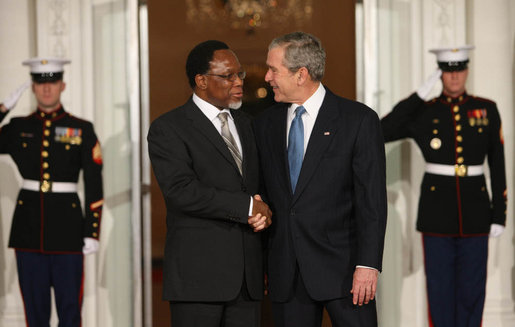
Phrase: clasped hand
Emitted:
{"points": [[261, 215]]}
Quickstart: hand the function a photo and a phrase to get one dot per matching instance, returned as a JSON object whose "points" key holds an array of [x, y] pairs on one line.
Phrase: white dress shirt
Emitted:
{"points": [[312, 106], [211, 112]]}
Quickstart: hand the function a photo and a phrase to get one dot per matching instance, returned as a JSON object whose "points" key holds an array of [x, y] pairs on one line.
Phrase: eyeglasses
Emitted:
{"points": [[231, 77]]}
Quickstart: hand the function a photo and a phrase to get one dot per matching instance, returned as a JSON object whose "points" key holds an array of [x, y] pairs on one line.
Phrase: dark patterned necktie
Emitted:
{"points": [[229, 140]]}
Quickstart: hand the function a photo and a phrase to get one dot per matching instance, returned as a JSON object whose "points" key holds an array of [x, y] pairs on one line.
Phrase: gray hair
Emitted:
{"points": [[302, 50]]}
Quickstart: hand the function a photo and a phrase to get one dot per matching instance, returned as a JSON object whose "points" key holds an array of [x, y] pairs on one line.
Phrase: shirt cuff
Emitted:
{"points": [[367, 267], [251, 206]]}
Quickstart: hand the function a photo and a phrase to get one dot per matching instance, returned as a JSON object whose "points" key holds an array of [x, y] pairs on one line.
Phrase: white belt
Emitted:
{"points": [[48, 186], [454, 170]]}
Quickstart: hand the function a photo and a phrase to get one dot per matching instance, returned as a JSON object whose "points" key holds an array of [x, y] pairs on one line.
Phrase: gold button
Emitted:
{"points": [[46, 176], [457, 117], [67, 147], [95, 224], [435, 131], [459, 149], [24, 144], [45, 165], [95, 214], [45, 186], [449, 99], [459, 138], [74, 205], [20, 202], [456, 109], [47, 132], [459, 160], [458, 127], [48, 123], [42, 114], [44, 154], [483, 188], [461, 98], [436, 121], [95, 234], [432, 188], [480, 130], [46, 143]]}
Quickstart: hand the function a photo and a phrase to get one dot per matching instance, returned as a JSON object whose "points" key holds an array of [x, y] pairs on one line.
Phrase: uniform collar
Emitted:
{"points": [[453, 100], [56, 114]]}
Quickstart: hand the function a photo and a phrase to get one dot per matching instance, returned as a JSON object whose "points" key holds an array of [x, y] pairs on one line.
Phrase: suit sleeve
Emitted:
{"points": [[497, 168], [369, 177], [92, 168], [396, 124], [182, 189]]}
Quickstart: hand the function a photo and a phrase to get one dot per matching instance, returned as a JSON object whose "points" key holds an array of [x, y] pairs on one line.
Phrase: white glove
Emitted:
{"points": [[424, 90], [11, 100], [496, 230], [90, 245]]}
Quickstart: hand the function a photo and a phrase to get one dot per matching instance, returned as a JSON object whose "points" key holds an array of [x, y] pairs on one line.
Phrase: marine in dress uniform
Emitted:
{"points": [[455, 132], [50, 231]]}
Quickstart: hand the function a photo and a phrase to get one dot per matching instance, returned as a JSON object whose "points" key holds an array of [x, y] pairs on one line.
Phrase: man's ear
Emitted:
{"points": [[201, 81], [302, 75]]}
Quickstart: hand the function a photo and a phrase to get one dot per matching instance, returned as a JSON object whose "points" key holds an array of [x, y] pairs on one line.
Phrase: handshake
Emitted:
{"points": [[261, 215]]}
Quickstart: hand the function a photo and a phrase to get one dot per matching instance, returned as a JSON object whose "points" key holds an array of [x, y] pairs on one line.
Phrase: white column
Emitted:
{"points": [[16, 42], [491, 27]]}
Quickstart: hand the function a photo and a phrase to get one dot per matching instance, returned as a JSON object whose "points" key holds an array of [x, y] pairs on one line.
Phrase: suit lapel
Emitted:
{"points": [[323, 132], [205, 127], [244, 132], [277, 142]]}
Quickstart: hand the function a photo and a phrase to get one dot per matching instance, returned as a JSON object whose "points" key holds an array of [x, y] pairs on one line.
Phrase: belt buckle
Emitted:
{"points": [[461, 170], [45, 186]]}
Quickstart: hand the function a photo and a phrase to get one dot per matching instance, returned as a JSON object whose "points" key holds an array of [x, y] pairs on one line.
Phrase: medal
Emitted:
{"points": [[435, 143]]}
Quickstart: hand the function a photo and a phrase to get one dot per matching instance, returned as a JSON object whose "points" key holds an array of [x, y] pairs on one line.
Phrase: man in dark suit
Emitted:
{"points": [[323, 166], [205, 160]]}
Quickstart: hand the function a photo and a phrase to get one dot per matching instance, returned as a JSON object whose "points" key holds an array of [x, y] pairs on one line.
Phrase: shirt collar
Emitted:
{"points": [[210, 111], [313, 103]]}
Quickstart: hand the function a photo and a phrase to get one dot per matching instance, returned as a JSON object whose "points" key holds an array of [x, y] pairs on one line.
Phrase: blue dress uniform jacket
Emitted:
{"points": [[460, 132], [51, 148]]}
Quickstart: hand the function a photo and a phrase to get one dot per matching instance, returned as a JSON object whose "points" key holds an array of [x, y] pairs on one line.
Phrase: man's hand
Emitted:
{"points": [[261, 215], [90, 245], [496, 230], [11, 100], [424, 90], [364, 285]]}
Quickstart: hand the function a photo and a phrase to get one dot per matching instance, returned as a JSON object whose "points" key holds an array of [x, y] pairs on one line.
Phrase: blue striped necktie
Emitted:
{"points": [[296, 146]]}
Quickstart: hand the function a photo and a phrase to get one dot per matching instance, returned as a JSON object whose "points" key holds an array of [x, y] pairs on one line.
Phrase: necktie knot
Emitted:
{"points": [[299, 111], [223, 117]]}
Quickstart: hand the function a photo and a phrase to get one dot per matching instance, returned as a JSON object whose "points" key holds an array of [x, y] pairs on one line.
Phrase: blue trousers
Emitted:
{"points": [[456, 279], [37, 273]]}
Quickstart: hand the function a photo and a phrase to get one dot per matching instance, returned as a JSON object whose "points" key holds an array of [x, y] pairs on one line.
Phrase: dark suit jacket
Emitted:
{"points": [[209, 244], [336, 218]]}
